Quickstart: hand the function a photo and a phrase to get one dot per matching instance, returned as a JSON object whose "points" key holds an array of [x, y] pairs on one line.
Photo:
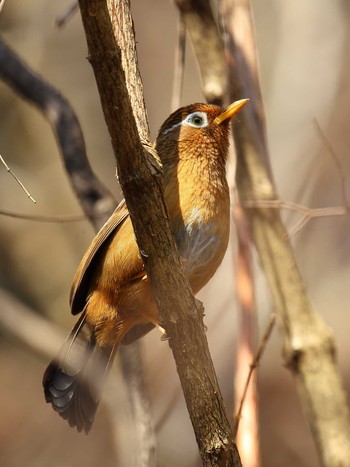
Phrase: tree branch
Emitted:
{"points": [[208, 47], [94, 198], [110, 38]]}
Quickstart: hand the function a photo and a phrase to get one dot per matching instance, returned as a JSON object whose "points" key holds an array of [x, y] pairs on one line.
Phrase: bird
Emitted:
{"points": [[111, 290]]}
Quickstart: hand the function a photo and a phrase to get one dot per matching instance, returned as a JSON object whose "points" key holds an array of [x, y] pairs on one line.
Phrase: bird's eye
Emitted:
{"points": [[197, 120]]}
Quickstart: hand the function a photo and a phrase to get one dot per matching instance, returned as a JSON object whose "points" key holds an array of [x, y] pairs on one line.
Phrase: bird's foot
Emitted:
{"points": [[164, 336]]}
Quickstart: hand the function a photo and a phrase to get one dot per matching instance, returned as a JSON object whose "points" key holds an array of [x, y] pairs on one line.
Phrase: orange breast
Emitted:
{"points": [[198, 204]]}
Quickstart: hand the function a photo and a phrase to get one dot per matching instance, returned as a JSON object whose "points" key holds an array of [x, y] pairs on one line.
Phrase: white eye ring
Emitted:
{"points": [[196, 119]]}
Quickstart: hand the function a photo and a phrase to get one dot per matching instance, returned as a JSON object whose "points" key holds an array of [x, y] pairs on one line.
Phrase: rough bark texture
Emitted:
{"points": [[108, 27]]}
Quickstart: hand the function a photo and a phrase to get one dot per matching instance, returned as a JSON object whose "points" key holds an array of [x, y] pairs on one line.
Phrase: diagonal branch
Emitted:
{"points": [[17, 179], [110, 38]]}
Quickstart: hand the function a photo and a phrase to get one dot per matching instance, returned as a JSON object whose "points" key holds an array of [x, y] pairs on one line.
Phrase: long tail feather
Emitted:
{"points": [[73, 381]]}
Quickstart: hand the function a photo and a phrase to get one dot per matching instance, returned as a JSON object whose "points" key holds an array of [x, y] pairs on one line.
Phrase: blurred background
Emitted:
{"points": [[303, 51]]}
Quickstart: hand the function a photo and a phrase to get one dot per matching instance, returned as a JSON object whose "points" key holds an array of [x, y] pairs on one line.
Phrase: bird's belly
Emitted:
{"points": [[202, 247]]}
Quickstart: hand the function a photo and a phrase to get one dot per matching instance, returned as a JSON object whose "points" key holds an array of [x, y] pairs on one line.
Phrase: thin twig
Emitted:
{"points": [[62, 19], [179, 67], [42, 218], [308, 213], [253, 366], [15, 177], [336, 160]]}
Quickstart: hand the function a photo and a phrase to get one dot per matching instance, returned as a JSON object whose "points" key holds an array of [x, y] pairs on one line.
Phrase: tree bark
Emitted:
{"points": [[110, 38]]}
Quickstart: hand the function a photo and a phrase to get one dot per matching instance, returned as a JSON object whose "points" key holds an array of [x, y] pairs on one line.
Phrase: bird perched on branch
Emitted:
{"points": [[111, 289]]}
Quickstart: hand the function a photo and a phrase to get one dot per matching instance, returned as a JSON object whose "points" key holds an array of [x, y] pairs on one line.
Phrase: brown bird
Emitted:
{"points": [[111, 288]]}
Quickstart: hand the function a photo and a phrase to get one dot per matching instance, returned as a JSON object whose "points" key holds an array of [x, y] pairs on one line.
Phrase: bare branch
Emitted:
{"points": [[109, 32], [94, 198], [208, 47], [336, 160], [179, 65], [63, 18], [42, 218], [255, 363], [307, 213], [17, 179]]}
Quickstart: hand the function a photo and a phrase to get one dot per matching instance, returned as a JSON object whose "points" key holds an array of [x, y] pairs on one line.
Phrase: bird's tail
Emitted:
{"points": [[74, 379]]}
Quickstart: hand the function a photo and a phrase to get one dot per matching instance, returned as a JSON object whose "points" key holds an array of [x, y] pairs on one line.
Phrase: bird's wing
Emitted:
{"points": [[81, 281]]}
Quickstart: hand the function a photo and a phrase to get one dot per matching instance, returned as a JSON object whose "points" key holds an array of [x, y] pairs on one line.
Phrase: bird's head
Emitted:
{"points": [[196, 129]]}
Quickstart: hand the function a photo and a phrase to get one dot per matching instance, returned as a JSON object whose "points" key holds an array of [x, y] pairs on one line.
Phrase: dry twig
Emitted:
{"points": [[17, 179], [62, 19], [336, 161], [254, 364], [307, 213], [42, 218]]}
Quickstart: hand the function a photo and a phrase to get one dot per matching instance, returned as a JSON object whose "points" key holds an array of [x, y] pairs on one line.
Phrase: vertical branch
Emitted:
{"points": [[208, 47], [199, 19], [179, 65], [308, 344]]}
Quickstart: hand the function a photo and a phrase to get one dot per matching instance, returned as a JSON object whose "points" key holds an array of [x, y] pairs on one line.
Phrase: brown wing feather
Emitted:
{"points": [[81, 281]]}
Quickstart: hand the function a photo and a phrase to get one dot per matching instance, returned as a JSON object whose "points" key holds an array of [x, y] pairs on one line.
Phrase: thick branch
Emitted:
{"points": [[108, 27], [95, 199], [309, 346], [208, 47]]}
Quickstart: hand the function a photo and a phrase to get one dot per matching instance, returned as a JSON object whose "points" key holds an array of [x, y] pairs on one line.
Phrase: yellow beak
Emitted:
{"points": [[230, 111]]}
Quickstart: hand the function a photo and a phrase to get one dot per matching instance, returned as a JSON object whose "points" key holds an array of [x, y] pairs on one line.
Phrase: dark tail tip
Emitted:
{"points": [[70, 396]]}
